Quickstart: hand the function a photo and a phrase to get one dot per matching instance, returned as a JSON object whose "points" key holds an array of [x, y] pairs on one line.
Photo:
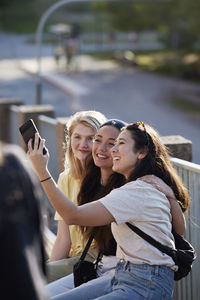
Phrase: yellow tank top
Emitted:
{"points": [[70, 187]]}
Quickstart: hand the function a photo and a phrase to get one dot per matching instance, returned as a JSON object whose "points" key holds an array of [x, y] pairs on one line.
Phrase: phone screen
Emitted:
{"points": [[28, 130]]}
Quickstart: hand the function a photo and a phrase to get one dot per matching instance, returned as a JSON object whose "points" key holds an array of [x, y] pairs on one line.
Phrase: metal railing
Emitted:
{"points": [[189, 288]]}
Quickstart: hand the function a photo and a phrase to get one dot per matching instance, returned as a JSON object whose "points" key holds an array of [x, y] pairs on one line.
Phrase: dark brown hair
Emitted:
{"points": [[156, 161], [91, 190]]}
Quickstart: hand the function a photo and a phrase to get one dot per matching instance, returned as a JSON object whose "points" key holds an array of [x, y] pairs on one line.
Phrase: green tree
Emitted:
{"points": [[178, 19], [22, 15]]}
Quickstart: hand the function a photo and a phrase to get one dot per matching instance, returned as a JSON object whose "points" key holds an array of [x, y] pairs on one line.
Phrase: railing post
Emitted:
{"points": [[178, 146], [5, 120]]}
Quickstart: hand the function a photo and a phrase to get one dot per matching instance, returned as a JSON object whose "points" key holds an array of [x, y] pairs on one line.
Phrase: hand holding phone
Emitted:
{"points": [[28, 130]]}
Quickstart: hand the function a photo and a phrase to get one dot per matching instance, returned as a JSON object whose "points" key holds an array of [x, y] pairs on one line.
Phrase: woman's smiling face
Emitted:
{"points": [[123, 154], [102, 144], [81, 141]]}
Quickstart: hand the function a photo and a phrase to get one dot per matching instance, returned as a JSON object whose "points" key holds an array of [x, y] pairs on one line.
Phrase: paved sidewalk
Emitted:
{"points": [[125, 93], [59, 76]]}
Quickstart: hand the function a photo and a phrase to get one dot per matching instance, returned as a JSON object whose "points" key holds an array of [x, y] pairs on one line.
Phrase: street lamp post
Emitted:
{"points": [[39, 35]]}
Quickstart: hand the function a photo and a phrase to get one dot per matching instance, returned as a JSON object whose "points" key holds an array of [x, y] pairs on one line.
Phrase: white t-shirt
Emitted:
{"points": [[144, 206]]}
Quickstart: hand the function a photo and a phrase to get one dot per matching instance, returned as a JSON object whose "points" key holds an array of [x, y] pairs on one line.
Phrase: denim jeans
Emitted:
{"points": [[66, 283], [60, 268], [130, 282]]}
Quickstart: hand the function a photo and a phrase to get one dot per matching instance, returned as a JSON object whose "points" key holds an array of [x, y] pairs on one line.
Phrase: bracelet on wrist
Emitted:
{"points": [[45, 179]]}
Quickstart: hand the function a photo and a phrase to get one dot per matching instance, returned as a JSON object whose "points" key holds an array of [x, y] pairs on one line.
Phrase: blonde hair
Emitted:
{"points": [[90, 118]]}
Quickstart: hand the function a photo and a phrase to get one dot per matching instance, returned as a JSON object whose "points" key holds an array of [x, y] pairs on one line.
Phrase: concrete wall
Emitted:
{"points": [[13, 114], [5, 118], [178, 146]]}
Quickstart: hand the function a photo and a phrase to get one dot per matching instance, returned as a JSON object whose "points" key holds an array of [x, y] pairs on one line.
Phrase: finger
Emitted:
{"points": [[36, 142], [158, 186], [143, 179], [148, 177], [30, 145], [41, 146]]}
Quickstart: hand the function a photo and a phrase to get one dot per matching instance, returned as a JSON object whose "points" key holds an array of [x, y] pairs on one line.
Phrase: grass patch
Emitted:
{"points": [[102, 55], [186, 106], [175, 64]]}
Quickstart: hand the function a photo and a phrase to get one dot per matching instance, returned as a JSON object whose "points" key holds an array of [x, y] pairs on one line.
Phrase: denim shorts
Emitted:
{"points": [[130, 282]]}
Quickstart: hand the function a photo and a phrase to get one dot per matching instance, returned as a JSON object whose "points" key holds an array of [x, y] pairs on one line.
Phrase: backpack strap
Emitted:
{"points": [[165, 249]]}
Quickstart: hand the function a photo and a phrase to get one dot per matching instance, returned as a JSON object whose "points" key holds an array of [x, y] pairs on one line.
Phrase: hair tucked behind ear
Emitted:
{"points": [[156, 162]]}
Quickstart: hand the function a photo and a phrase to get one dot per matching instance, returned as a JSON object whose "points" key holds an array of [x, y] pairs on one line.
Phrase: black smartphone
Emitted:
{"points": [[28, 130]]}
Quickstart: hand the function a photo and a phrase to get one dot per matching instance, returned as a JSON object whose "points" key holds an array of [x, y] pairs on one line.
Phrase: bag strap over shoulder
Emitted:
{"points": [[165, 249], [86, 248]]}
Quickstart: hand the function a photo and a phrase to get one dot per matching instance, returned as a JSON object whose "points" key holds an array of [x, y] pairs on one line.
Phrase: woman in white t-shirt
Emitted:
{"points": [[143, 272]]}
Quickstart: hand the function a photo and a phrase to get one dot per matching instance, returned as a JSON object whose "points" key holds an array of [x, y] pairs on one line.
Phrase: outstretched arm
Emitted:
{"points": [[178, 218], [90, 214]]}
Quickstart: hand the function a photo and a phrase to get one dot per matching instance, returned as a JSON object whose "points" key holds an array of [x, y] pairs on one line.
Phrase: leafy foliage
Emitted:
{"points": [[21, 15], [177, 19]]}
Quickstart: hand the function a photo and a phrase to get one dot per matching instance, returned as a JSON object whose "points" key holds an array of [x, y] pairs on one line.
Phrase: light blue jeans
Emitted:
{"points": [[130, 282], [66, 283]]}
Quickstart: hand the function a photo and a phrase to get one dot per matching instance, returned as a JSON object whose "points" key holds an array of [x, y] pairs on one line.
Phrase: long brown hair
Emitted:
{"points": [[156, 161], [91, 190]]}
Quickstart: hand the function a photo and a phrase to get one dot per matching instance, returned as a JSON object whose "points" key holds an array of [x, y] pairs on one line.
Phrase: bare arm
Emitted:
{"points": [[178, 218], [90, 214], [62, 244]]}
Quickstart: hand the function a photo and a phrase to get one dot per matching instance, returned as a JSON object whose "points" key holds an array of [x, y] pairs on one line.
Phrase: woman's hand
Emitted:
{"points": [[160, 185], [38, 160], [178, 219]]}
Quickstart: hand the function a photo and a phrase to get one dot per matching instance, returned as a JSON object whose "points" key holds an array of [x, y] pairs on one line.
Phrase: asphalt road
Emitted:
{"points": [[124, 93]]}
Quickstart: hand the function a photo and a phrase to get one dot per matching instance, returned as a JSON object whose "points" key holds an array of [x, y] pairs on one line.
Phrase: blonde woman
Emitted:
{"points": [[81, 128]]}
